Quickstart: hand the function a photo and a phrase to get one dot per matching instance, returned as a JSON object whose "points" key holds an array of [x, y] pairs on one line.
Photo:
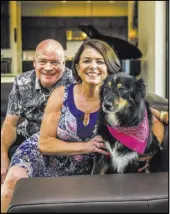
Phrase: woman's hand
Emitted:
{"points": [[164, 117], [96, 144], [160, 115]]}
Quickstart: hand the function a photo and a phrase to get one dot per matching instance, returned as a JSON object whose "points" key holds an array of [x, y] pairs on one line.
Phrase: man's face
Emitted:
{"points": [[49, 66]]}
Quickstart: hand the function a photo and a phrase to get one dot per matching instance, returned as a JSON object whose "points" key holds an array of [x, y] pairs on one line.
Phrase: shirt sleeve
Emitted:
{"points": [[14, 100], [70, 77]]}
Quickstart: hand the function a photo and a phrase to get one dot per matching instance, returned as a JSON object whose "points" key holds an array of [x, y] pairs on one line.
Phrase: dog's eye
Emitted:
{"points": [[105, 88], [122, 90], [119, 85], [109, 84]]}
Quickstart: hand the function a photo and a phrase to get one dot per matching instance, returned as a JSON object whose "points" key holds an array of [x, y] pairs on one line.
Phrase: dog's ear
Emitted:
{"points": [[102, 91], [139, 90]]}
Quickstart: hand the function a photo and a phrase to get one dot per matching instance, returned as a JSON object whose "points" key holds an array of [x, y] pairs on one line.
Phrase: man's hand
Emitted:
{"points": [[4, 166]]}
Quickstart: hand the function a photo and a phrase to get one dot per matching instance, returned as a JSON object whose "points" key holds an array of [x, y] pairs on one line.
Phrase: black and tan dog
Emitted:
{"points": [[125, 123]]}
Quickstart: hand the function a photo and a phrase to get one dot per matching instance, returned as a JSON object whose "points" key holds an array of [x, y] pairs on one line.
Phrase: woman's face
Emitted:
{"points": [[92, 68]]}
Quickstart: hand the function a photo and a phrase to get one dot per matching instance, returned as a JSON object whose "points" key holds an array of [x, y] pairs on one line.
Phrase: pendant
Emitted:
{"points": [[86, 119]]}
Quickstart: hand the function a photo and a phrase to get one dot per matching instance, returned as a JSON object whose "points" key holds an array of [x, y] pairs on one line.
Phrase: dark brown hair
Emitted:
{"points": [[109, 56]]}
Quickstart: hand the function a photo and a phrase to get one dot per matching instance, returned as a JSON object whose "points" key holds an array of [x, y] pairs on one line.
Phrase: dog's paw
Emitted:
{"points": [[147, 170]]}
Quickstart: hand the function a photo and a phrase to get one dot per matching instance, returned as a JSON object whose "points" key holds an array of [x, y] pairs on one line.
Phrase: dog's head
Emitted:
{"points": [[122, 96]]}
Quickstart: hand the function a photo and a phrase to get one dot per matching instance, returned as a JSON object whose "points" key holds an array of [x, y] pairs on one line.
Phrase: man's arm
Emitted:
{"points": [[8, 131], [14, 112], [8, 137]]}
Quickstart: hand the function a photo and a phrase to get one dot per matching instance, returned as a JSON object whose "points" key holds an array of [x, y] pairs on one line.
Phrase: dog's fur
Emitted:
{"points": [[122, 103]]}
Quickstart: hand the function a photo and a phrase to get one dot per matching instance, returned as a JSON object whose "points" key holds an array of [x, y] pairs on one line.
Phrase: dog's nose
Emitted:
{"points": [[108, 105]]}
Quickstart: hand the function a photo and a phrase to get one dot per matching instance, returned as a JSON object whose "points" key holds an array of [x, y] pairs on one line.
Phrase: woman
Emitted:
{"points": [[67, 143]]}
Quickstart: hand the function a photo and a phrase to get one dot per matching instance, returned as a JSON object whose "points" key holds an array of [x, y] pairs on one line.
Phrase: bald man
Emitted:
{"points": [[29, 96]]}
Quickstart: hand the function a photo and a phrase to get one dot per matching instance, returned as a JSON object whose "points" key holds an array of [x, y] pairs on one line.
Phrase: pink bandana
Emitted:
{"points": [[134, 138]]}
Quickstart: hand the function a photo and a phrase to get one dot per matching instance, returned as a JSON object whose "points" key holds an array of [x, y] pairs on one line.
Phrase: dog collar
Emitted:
{"points": [[134, 138]]}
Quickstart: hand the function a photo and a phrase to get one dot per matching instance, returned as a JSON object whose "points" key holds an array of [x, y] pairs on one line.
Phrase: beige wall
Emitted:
{"points": [[16, 46], [151, 32], [152, 44], [84, 8], [15, 52], [54, 8]]}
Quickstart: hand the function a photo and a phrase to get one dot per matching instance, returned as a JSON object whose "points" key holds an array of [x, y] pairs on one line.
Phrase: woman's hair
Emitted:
{"points": [[109, 56]]}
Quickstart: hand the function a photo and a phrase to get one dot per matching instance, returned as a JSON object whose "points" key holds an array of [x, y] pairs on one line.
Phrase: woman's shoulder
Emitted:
{"points": [[61, 92], [56, 96], [58, 89], [62, 88]]}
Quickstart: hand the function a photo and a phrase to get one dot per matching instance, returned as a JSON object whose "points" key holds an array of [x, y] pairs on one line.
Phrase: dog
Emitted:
{"points": [[125, 124]]}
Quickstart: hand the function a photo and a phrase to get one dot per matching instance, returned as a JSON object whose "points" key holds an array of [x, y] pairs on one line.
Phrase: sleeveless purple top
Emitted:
{"points": [[71, 127]]}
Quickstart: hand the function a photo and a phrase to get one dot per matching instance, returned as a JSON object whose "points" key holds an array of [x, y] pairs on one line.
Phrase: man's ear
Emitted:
{"points": [[34, 61], [64, 60], [140, 90]]}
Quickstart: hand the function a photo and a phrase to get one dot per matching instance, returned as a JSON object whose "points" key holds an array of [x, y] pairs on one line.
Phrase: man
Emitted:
{"points": [[28, 98]]}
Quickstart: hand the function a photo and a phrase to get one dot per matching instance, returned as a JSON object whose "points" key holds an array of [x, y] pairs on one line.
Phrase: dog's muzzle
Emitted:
{"points": [[107, 105]]}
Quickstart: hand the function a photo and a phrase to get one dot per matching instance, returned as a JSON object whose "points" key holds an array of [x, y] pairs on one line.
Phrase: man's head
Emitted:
{"points": [[49, 62]]}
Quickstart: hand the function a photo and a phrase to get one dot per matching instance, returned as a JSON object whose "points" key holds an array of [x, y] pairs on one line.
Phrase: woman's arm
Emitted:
{"points": [[49, 144]]}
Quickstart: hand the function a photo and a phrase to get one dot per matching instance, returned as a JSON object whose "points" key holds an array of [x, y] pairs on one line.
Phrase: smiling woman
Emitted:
{"points": [[91, 68]]}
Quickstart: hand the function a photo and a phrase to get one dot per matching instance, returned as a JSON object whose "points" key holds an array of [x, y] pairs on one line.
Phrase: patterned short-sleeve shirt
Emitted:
{"points": [[28, 99]]}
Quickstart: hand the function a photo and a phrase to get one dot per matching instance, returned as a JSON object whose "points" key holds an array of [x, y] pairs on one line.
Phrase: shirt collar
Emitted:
{"points": [[39, 87], [37, 84]]}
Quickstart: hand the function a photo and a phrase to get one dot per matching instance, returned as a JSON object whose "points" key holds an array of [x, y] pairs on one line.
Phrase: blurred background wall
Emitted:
{"points": [[23, 23]]}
